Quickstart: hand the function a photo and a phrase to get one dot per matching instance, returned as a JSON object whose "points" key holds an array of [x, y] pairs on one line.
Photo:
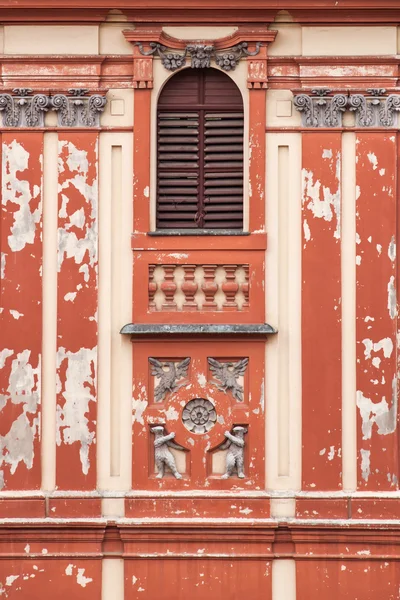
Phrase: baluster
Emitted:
{"points": [[230, 287], [152, 288], [245, 287], [189, 288], [209, 287], [168, 286]]}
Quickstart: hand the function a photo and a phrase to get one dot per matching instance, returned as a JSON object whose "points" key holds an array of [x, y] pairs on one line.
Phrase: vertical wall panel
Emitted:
{"points": [[20, 311], [77, 311], [321, 315], [376, 311]]}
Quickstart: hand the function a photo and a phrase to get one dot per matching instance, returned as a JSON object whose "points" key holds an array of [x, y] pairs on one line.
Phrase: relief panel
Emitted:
{"points": [[198, 415]]}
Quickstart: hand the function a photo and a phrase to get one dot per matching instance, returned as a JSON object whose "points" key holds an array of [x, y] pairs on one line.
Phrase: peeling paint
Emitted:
{"points": [[378, 413], [78, 391], [365, 464], [391, 305], [17, 445], [18, 191], [319, 199]]}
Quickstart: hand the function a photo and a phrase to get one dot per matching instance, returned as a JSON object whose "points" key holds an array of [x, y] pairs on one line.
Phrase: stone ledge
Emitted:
{"points": [[141, 330]]}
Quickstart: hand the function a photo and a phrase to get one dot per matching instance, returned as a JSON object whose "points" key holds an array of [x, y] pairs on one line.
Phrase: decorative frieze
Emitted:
{"points": [[200, 55], [372, 109], [25, 109]]}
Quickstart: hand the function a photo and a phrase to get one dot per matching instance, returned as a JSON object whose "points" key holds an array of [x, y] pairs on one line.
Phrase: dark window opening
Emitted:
{"points": [[200, 152]]}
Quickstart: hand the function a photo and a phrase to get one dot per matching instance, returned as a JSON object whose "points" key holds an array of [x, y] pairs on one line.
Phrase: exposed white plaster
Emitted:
{"points": [[373, 160], [2, 265], [391, 305], [81, 579], [80, 380], [320, 200], [386, 345], [69, 245], [138, 408], [23, 230], [378, 413], [17, 445], [365, 464], [392, 249], [171, 414]]}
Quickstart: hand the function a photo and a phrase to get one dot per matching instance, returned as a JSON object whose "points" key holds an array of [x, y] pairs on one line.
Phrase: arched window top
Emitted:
{"points": [[198, 87], [200, 152]]}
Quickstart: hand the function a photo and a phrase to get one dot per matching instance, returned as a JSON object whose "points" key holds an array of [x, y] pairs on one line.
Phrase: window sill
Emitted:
{"points": [[197, 232], [142, 330]]}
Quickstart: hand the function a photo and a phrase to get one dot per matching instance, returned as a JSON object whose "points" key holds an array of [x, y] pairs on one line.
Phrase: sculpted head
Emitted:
{"points": [[158, 430], [239, 431]]}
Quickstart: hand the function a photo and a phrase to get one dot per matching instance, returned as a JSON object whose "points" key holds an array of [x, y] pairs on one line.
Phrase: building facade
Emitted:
{"points": [[198, 301]]}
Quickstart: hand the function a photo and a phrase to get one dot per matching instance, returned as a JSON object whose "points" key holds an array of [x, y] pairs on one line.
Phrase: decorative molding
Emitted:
{"points": [[200, 55], [26, 110], [372, 109], [168, 374], [163, 457], [22, 109], [78, 109], [227, 375], [235, 455], [199, 415]]}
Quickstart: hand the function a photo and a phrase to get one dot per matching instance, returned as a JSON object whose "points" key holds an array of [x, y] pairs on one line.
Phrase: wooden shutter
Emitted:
{"points": [[200, 152]]}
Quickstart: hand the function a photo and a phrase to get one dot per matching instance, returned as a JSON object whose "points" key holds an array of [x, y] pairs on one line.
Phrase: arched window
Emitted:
{"points": [[200, 152]]}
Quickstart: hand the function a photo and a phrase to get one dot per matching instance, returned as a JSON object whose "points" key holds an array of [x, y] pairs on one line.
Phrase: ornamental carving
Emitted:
{"points": [[199, 415], [22, 109], [168, 375], [163, 456], [235, 455], [200, 55], [74, 110], [372, 109], [227, 375]]}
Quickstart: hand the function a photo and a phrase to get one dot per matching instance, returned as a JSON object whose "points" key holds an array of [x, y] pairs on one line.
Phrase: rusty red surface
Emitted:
{"points": [[62, 578], [77, 311], [321, 312], [21, 310], [347, 579], [376, 326]]}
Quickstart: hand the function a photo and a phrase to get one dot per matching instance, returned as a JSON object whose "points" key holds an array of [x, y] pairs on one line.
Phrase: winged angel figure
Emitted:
{"points": [[227, 374], [168, 373]]}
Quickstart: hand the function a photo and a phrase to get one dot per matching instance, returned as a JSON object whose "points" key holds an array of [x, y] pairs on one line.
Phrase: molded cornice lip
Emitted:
{"points": [[141, 330]]}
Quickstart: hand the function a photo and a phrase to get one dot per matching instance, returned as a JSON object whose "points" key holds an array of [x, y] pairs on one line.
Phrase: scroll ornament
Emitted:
{"points": [[371, 110], [200, 55], [74, 110]]}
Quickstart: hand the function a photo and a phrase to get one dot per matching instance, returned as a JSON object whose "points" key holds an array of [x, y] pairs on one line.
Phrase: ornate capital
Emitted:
{"points": [[372, 109], [77, 109], [22, 109]]}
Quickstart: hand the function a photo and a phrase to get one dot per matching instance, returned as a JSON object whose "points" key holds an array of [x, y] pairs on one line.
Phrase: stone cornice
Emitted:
{"points": [[236, 538], [202, 11]]}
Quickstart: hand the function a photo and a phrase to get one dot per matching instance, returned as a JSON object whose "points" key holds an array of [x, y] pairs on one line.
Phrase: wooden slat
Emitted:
{"points": [[203, 149]]}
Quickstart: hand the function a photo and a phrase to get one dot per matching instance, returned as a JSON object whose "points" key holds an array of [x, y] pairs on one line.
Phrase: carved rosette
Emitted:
{"points": [[199, 415], [22, 109], [372, 109]]}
